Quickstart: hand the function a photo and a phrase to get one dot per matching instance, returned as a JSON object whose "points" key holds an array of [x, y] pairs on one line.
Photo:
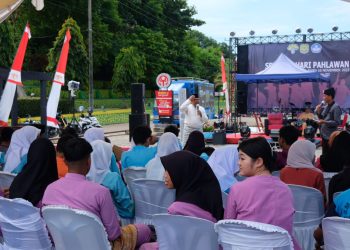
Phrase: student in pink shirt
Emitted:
{"points": [[75, 191], [198, 192], [261, 197]]}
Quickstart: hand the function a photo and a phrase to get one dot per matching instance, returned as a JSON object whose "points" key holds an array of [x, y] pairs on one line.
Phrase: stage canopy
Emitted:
{"points": [[9, 6], [283, 70]]}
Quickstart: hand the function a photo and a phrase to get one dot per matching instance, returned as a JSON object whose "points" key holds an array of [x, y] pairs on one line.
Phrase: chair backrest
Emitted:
{"points": [[336, 232], [242, 235], [308, 205], [345, 119], [132, 173], [275, 118], [276, 173], [22, 226], [184, 232], [150, 197], [6, 179], [224, 197], [75, 229]]}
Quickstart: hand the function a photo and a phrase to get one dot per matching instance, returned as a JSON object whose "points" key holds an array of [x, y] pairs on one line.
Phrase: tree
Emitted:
{"points": [[78, 61], [129, 67], [8, 45]]}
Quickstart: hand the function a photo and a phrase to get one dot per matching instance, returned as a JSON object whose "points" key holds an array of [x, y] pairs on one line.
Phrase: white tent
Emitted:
{"points": [[9, 6]]}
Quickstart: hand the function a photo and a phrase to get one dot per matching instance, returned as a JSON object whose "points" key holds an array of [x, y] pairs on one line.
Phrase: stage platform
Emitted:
{"points": [[233, 138]]}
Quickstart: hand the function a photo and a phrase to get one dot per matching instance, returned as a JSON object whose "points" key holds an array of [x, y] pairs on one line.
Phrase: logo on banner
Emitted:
{"points": [[163, 80], [293, 48], [304, 48], [316, 48]]}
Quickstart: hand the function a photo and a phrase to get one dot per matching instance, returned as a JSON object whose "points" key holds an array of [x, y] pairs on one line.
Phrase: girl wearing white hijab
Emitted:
{"points": [[167, 144], [224, 163], [93, 134], [300, 169], [16, 155], [100, 173]]}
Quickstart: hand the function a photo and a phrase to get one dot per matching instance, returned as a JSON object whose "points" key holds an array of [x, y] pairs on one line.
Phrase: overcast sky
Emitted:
{"points": [[262, 16]]}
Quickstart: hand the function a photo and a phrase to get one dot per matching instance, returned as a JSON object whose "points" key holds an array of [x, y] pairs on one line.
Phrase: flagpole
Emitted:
{"points": [[91, 68]]}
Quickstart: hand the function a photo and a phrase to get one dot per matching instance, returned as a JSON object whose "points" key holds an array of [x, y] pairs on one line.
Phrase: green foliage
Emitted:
{"points": [[77, 65], [7, 44], [31, 106], [129, 67]]}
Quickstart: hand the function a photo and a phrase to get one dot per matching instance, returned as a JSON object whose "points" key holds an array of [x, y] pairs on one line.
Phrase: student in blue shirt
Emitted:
{"points": [[141, 153], [100, 173]]}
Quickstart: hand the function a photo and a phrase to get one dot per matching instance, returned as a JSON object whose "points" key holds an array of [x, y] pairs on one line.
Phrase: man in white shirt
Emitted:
{"points": [[195, 116]]}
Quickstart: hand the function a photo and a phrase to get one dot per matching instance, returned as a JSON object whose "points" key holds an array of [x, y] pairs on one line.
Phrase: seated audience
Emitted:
{"points": [[39, 171], [167, 144], [18, 149], [300, 169], [224, 163], [287, 136], [5, 139], [93, 134], [75, 191], [340, 207], [306, 115], [341, 181], [261, 197], [141, 153], [196, 144], [175, 130], [62, 167], [197, 189], [101, 174], [332, 160]]}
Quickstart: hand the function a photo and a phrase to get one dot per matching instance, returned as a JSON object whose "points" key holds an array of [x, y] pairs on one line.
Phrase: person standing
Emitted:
{"points": [[195, 116], [329, 114]]}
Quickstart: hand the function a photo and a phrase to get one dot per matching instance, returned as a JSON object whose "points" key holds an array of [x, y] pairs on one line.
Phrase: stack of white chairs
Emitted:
{"points": [[22, 226], [248, 235], [73, 229], [150, 197], [336, 233], [309, 212], [175, 232]]}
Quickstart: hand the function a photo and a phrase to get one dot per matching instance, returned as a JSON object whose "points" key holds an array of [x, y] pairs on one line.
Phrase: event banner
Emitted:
{"points": [[331, 58], [164, 100]]}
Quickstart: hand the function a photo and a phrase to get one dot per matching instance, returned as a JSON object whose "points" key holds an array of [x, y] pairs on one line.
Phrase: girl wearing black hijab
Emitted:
{"points": [[195, 143], [37, 174], [198, 191]]}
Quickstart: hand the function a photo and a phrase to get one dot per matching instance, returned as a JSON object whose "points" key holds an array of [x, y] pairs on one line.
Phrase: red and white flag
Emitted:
{"points": [[57, 83], [224, 88], [13, 79]]}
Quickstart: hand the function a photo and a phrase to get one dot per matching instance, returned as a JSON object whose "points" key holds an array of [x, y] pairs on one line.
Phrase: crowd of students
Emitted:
{"points": [[87, 173]]}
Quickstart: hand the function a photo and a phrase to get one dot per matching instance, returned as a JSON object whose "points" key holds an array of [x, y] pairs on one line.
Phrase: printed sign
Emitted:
{"points": [[163, 80], [164, 100]]}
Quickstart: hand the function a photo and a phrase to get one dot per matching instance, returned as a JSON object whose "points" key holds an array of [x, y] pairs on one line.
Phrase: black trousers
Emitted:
{"points": [[325, 147]]}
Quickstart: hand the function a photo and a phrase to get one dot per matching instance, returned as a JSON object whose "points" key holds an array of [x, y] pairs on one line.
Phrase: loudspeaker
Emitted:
{"points": [[137, 98], [242, 91], [136, 120], [219, 137]]}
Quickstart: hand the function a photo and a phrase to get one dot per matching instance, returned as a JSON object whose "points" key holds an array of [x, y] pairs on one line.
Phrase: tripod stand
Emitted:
{"points": [[74, 123]]}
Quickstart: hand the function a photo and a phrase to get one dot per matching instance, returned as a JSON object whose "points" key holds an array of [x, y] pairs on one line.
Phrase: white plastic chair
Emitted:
{"points": [[276, 173], [6, 179], [224, 197], [336, 233], [73, 229], [309, 211], [247, 235], [176, 232], [133, 173], [150, 197], [22, 226]]}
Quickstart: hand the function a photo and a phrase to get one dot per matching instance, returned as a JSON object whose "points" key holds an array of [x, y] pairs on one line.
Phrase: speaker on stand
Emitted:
{"points": [[138, 117]]}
